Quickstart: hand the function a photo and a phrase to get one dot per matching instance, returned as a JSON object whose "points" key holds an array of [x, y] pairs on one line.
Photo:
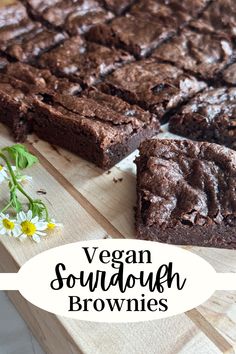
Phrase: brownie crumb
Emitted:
{"points": [[116, 180]]}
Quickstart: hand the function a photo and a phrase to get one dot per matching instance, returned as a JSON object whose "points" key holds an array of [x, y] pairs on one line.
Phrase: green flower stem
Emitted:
{"points": [[6, 207], [13, 177], [46, 210]]}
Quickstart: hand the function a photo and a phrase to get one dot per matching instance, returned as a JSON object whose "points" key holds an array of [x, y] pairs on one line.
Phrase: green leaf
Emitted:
{"points": [[37, 209], [16, 204], [21, 156]]}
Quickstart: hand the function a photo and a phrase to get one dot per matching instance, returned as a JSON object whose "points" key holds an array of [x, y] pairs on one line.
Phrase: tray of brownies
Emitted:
{"points": [[130, 107]]}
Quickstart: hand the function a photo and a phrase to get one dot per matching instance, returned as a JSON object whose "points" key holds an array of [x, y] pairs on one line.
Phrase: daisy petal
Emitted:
{"points": [[41, 225], [35, 220], [22, 216], [40, 233], [29, 215], [36, 238], [23, 237]]}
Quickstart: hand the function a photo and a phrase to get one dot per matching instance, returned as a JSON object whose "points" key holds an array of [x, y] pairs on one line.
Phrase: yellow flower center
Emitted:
{"points": [[51, 226], [28, 228], [8, 224], [1, 167]]}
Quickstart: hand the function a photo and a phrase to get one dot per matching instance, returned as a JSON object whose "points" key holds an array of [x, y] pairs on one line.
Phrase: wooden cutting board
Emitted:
{"points": [[93, 204]]}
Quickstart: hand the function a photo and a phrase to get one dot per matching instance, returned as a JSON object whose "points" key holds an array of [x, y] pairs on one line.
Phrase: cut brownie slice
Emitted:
{"points": [[83, 61], [41, 78], [18, 84], [218, 17], [74, 16], [23, 39], [209, 116], [157, 87], [186, 193], [203, 54], [14, 105], [98, 128], [147, 25]]}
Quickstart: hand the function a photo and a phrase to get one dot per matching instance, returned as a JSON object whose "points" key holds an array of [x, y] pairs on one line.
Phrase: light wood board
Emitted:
{"points": [[91, 205]]}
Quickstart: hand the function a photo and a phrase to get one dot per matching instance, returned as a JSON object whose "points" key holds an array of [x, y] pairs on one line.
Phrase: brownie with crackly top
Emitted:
{"points": [[154, 86], [82, 61], [97, 127], [202, 54], [186, 193], [22, 39], [146, 25], [210, 116], [18, 83]]}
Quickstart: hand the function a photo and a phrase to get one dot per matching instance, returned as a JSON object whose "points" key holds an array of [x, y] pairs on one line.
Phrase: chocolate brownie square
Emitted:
{"points": [[186, 193], [98, 128], [23, 39], [202, 53], [218, 17], [74, 16], [157, 87], [14, 105], [146, 26], [18, 83], [41, 78], [209, 116], [82, 61]]}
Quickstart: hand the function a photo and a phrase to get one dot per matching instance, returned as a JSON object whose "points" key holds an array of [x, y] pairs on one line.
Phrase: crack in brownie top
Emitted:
{"points": [[182, 182]]}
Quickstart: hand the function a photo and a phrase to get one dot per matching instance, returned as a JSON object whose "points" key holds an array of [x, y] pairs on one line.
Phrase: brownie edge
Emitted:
{"points": [[98, 128], [186, 193]]}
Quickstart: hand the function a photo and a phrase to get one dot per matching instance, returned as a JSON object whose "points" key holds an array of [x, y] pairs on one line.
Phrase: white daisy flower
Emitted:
{"points": [[9, 226], [53, 226], [31, 227], [3, 173]]}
